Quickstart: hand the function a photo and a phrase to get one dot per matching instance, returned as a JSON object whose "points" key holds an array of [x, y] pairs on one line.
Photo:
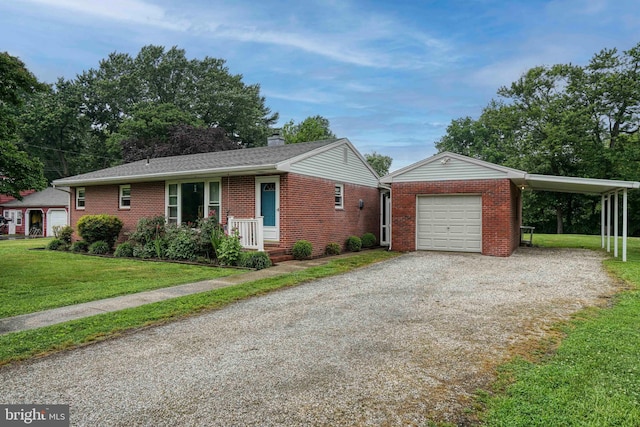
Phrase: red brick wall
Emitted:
{"points": [[238, 195], [500, 212], [147, 200], [307, 211]]}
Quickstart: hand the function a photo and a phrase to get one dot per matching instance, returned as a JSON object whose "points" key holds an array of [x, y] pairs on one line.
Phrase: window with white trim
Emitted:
{"points": [[214, 200], [80, 198], [19, 218], [172, 203], [125, 196], [339, 196]]}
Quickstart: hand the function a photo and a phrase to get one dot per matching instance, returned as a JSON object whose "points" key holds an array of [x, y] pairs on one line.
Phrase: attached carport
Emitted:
{"points": [[609, 191]]}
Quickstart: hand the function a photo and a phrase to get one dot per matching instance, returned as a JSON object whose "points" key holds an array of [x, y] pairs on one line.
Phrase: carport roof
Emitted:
{"points": [[569, 184]]}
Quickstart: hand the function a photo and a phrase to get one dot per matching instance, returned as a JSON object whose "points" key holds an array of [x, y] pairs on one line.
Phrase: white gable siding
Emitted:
{"points": [[453, 169], [340, 164]]}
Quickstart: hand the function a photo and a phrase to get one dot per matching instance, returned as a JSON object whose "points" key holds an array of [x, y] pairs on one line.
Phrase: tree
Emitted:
{"points": [[17, 171], [379, 163], [310, 129], [562, 120], [202, 88]]}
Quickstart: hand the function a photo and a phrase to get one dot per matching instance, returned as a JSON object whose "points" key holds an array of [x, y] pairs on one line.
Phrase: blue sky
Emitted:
{"points": [[389, 75]]}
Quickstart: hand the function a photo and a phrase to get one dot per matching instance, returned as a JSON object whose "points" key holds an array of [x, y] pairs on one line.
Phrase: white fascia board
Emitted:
{"points": [[163, 176], [581, 185]]}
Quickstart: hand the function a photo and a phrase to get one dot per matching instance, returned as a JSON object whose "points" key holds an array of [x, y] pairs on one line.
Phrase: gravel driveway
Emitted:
{"points": [[396, 343]]}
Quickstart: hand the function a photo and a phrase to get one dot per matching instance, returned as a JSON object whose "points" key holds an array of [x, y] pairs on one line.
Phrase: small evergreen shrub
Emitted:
{"points": [[257, 260], [99, 248], [333, 248], [354, 244], [80, 246], [63, 233], [368, 240], [94, 228], [302, 249], [124, 250], [229, 249], [55, 244], [148, 229]]}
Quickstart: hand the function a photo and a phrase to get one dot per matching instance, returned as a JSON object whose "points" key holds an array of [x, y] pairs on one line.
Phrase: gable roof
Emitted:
{"points": [[451, 166], [244, 161], [48, 197]]}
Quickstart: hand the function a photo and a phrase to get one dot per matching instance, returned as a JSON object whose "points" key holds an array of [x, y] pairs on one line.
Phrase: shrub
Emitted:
{"points": [[368, 240], [333, 248], [56, 244], [63, 233], [99, 248], [94, 228], [209, 235], [148, 229], [257, 260], [229, 249], [80, 246], [144, 251], [124, 250], [302, 249], [354, 244], [182, 244]]}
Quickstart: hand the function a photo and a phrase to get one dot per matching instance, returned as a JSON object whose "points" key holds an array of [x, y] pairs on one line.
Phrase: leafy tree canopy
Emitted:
{"points": [[310, 129], [379, 163], [562, 120], [17, 171]]}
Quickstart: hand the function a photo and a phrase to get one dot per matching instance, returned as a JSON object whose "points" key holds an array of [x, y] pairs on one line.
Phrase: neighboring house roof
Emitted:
{"points": [[450, 166], [48, 197], [244, 161], [5, 199]]}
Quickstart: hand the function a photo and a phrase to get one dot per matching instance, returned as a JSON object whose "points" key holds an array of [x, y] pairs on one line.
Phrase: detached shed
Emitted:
{"points": [[451, 202]]}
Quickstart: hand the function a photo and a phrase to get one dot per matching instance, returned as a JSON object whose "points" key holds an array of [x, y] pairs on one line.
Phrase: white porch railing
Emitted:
{"points": [[250, 230]]}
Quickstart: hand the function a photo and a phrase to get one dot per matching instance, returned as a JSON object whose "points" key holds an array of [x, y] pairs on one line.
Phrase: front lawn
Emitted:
{"points": [[593, 377], [36, 280]]}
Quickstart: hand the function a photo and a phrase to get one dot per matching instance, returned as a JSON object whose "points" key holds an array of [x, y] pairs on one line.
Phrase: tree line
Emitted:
{"points": [[155, 104], [564, 120]]}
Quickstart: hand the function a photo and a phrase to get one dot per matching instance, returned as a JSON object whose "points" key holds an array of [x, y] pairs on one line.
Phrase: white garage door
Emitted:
{"points": [[55, 217], [449, 223]]}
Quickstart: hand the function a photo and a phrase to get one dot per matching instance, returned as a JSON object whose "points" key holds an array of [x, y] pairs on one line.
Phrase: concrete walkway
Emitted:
{"points": [[78, 311]]}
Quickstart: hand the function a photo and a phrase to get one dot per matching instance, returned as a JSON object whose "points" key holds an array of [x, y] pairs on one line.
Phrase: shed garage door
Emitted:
{"points": [[449, 223], [55, 217]]}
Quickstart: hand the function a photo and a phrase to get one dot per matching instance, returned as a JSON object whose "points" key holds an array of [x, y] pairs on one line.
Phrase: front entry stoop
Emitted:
{"points": [[276, 253]]}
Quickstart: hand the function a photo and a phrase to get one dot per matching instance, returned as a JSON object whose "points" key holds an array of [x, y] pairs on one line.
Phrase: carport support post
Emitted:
{"points": [[609, 222], [624, 225], [602, 219], [615, 225]]}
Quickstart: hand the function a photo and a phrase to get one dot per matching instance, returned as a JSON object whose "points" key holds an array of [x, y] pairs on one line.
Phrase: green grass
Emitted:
{"points": [[593, 377], [33, 280], [23, 345]]}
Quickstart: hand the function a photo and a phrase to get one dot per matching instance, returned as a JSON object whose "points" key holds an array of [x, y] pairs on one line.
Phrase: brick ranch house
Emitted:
{"points": [[322, 191], [37, 213]]}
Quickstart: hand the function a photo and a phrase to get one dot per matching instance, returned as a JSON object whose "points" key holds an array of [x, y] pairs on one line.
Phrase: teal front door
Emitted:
{"points": [[268, 205]]}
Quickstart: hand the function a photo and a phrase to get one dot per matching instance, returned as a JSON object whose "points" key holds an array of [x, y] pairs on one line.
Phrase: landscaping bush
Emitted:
{"points": [[124, 250], [148, 229], [144, 251], [99, 248], [182, 244], [368, 240], [94, 228], [63, 233], [302, 249], [209, 236], [55, 244], [229, 249], [333, 248], [80, 246], [257, 260], [354, 244]]}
